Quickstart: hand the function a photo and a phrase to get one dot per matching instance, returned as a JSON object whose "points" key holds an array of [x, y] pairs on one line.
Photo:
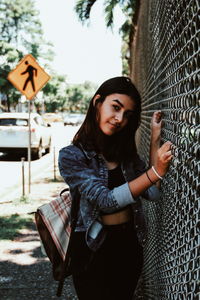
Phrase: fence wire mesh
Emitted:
{"points": [[166, 71]]}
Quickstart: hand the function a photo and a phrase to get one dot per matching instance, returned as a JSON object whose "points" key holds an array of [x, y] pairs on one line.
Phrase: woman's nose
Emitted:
{"points": [[119, 117]]}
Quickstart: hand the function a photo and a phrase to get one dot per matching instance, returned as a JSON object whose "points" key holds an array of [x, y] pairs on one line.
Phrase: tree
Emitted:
{"points": [[58, 95], [129, 8], [54, 93], [6, 88], [21, 33], [78, 96]]}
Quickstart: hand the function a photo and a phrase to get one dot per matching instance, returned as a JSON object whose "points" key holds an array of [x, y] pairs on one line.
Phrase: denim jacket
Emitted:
{"points": [[86, 174]]}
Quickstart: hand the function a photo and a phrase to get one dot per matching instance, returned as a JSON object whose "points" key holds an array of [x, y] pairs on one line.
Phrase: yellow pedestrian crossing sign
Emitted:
{"points": [[28, 77]]}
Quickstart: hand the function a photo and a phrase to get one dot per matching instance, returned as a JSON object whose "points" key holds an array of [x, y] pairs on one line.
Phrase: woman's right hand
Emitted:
{"points": [[163, 158], [153, 175]]}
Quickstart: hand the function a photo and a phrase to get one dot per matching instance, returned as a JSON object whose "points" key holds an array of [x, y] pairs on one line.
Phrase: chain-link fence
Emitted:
{"points": [[166, 70]]}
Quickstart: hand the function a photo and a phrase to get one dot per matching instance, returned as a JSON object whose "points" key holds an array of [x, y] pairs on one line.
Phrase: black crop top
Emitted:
{"points": [[115, 177]]}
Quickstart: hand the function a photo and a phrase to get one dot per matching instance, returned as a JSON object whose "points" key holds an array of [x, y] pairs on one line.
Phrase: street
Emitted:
{"points": [[11, 167]]}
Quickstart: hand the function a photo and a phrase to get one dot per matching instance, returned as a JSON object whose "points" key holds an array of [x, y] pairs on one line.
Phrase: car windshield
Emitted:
{"points": [[13, 122]]}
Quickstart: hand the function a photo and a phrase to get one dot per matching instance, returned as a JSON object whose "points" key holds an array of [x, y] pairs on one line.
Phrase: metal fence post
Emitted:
{"points": [[54, 162], [23, 177]]}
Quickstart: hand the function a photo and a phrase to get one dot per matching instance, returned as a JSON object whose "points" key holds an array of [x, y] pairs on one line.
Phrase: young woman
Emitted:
{"points": [[105, 173]]}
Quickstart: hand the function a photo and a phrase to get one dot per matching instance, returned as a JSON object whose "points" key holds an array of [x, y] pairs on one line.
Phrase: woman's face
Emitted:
{"points": [[114, 113]]}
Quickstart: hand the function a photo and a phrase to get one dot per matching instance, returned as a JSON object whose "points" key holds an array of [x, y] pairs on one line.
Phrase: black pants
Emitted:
{"points": [[112, 272]]}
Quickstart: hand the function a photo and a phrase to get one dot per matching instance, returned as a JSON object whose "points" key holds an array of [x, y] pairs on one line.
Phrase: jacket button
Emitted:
{"points": [[136, 210]]}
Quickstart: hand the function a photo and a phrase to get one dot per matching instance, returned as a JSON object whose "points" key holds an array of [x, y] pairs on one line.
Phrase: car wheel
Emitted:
{"points": [[49, 147], [39, 152]]}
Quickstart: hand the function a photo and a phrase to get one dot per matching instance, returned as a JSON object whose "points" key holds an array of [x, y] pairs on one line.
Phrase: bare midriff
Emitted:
{"points": [[116, 218]]}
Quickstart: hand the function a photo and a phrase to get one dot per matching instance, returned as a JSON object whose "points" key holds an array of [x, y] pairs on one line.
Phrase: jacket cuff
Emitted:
{"points": [[122, 195]]}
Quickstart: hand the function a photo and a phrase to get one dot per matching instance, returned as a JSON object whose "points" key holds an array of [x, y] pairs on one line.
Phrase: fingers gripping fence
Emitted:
{"points": [[166, 70]]}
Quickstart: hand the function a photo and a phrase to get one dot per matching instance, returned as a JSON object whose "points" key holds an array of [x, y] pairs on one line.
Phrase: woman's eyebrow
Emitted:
{"points": [[116, 100]]}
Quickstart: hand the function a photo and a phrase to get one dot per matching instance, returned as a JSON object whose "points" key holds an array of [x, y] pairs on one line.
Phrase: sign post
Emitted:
{"points": [[29, 147], [29, 78]]}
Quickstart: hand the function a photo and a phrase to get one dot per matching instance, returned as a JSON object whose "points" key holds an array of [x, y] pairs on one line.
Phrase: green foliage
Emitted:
{"points": [[16, 18], [125, 59], [11, 225], [83, 9], [21, 33], [128, 7], [109, 11], [12, 95], [58, 95], [78, 97], [54, 93]]}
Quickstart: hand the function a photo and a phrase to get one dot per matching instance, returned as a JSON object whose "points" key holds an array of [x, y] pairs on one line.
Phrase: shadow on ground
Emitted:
{"points": [[25, 273]]}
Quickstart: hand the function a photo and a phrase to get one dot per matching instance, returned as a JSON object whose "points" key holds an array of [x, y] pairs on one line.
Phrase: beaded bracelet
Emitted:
{"points": [[156, 173]]}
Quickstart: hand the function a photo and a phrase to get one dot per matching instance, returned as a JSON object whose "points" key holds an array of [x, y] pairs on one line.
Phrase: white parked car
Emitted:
{"points": [[14, 134], [73, 119]]}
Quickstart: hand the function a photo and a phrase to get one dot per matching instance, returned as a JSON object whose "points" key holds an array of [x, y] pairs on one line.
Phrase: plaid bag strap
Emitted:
{"points": [[74, 217], [63, 191]]}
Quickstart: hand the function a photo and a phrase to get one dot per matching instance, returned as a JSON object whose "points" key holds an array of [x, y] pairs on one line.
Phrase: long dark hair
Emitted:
{"points": [[120, 145]]}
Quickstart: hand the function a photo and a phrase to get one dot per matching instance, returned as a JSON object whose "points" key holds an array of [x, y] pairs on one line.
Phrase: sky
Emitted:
{"points": [[82, 52]]}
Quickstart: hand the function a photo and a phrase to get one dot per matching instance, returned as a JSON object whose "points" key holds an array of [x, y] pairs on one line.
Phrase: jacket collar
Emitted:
{"points": [[89, 154]]}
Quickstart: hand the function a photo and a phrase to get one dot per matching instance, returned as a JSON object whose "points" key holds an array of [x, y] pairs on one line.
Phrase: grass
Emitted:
{"points": [[17, 215], [10, 226], [24, 199], [57, 179]]}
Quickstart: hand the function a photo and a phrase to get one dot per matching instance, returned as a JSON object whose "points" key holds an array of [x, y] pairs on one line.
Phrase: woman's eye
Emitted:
{"points": [[116, 107]]}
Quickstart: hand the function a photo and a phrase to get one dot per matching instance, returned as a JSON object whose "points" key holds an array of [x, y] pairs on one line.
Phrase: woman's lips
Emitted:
{"points": [[116, 126]]}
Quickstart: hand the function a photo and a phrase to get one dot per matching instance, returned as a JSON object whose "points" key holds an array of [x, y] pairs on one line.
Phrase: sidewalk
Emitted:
{"points": [[24, 272]]}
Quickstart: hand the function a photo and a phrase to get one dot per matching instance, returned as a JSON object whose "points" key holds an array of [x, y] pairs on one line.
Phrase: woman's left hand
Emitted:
{"points": [[156, 125]]}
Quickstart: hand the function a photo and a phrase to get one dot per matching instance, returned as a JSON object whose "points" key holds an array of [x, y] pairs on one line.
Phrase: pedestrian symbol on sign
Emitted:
{"points": [[30, 70], [28, 77]]}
